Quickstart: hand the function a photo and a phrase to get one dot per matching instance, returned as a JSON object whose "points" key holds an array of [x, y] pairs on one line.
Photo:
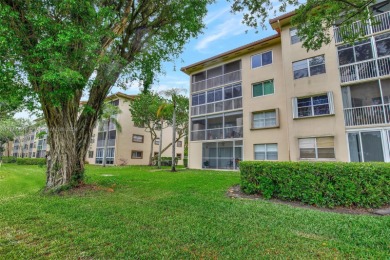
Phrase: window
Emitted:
{"points": [[294, 35], [266, 151], [138, 138], [313, 106], [178, 156], [309, 67], [383, 44], [316, 148], [179, 144], [136, 154], [359, 52], [265, 119], [214, 95], [263, 88], [261, 59], [90, 154], [157, 141], [198, 99], [232, 91], [115, 102]]}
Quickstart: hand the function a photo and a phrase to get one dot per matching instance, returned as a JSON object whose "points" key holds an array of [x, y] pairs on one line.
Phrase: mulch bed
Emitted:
{"points": [[236, 193]]}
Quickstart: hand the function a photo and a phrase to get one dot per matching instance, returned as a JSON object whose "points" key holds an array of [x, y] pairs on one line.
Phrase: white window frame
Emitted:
{"points": [[262, 82], [265, 151], [272, 59], [276, 111], [330, 103], [316, 149], [292, 30], [137, 136], [308, 66]]}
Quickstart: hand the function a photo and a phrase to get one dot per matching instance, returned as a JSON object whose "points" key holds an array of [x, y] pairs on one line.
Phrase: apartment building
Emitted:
{"points": [[273, 100], [131, 146], [31, 144]]}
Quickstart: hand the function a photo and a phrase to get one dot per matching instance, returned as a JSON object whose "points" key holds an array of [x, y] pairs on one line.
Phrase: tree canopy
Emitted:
{"points": [[313, 18], [56, 50]]}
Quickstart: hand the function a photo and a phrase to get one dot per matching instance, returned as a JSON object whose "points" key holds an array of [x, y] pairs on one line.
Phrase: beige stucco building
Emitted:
{"points": [[131, 146], [273, 100]]}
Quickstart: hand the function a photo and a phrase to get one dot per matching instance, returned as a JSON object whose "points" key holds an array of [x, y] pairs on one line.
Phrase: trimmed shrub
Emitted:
{"points": [[185, 162], [165, 161], [31, 161], [8, 159], [326, 184]]}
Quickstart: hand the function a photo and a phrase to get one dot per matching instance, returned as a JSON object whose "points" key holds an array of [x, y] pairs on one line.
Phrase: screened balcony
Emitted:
{"points": [[366, 59], [379, 23], [217, 100], [218, 76], [222, 155], [221, 126], [367, 103]]}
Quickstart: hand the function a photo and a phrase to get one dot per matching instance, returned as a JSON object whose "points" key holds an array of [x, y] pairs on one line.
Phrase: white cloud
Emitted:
{"points": [[212, 16], [230, 27]]}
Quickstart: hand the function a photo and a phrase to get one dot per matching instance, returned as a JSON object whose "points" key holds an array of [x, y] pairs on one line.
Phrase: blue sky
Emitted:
{"points": [[224, 31]]}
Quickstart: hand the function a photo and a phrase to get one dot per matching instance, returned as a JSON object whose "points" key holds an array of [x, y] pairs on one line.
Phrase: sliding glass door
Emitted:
{"points": [[222, 155], [369, 146]]}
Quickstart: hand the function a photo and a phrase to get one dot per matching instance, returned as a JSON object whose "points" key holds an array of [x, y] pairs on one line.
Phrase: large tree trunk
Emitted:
{"points": [[64, 166]]}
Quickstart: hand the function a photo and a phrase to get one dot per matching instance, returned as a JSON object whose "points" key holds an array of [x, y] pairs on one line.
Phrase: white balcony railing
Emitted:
{"points": [[380, 22], [365, 69], [367, 115], [217, 133], [224, 105], [227, 78], [100, 143]]}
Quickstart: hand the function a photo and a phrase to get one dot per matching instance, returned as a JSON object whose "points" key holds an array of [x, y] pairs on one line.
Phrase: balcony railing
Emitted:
{"points": [[365, 69], [367, 115], [380, 22], [217, 133], [216, 81], [224, 105], [111, 142]]}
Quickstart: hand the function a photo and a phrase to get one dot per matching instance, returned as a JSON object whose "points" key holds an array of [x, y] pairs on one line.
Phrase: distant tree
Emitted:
{"points": [[174, 95], [144, 113], [62, 49], [107, 117], [313, 18], [162, 115], [11, 128]]}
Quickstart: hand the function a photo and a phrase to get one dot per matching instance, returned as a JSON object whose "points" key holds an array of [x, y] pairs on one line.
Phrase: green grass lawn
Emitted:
{"points": [[158, 214]]}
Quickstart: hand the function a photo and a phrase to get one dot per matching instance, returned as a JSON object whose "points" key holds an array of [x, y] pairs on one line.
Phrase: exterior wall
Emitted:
{"points": [[318, 126], [252, 104]]}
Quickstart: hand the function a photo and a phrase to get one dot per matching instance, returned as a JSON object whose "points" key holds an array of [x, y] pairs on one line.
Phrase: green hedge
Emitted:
{"points": [[165, 161], [319, 183], [8, 159], [31, 161]]}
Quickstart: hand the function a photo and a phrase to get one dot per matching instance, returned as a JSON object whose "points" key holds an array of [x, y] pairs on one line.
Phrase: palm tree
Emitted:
{"points": [[173, 94], [108, 117], [160, 114]]}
